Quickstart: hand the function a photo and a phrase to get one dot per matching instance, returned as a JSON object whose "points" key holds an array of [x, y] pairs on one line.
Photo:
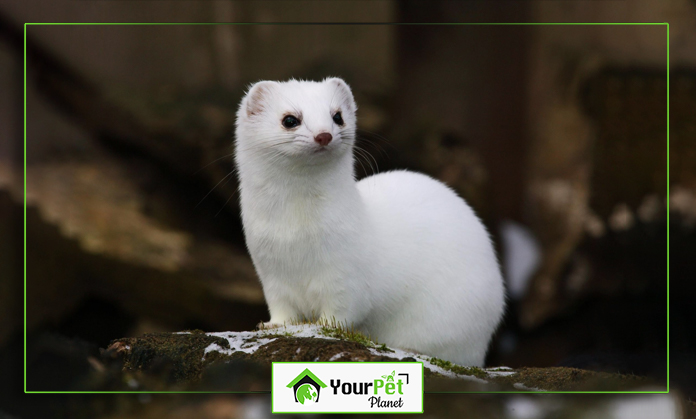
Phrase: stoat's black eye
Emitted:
{"points": [[337, 118], [290, 121]]}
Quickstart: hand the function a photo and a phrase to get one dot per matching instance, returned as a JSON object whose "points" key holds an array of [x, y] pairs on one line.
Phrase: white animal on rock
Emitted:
{"points": [[398, 255]]}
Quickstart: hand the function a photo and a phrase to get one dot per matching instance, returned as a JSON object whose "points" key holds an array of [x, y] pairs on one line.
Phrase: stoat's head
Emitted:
{"points": [[300, 121]]}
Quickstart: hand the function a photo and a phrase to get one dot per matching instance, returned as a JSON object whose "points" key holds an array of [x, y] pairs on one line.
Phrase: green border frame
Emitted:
{"points": [[342, 413], [666, 24]]}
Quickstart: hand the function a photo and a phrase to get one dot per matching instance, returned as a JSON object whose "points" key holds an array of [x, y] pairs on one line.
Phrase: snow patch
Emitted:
{"points": [[250, 342], [238, 341], [337, 356], [500, 372]]}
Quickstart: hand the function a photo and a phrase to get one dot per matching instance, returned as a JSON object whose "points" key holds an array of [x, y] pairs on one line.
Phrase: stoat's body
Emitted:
{"points": [[398, 255]]}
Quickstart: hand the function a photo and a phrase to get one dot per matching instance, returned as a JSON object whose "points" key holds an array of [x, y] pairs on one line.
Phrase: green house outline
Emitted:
{"points": [[308, 373]]}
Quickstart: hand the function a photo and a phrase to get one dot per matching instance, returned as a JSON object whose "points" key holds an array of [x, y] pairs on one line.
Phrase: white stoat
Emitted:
{"points": [[398, 255]]}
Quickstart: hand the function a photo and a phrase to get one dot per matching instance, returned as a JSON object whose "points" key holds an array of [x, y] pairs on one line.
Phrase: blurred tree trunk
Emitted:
{"points": [[587, 158], [100, 223], [11, 156], [451, 79]]}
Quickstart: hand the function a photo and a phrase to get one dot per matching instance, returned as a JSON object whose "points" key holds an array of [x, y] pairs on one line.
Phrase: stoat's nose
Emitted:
{"points": [[323, 139]]}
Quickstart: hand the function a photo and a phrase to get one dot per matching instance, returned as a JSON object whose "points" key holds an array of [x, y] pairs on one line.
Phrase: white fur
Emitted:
{"points": [[399, 255]]}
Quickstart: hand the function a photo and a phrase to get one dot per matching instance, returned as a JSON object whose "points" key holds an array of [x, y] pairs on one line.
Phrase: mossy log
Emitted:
{"points": [[241, 361]]}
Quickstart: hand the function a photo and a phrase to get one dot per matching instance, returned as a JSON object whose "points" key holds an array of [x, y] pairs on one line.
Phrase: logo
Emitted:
{"points": [[347, 387], [306, 387]]}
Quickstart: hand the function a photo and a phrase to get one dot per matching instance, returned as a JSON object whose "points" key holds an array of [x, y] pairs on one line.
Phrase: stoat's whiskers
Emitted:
{"points": [[262, 144], [272, 159], [365, 155], [271, 141], [362, 137], [214, 161], [226, 202], [369, 157], [374, 135], [216, 185]]}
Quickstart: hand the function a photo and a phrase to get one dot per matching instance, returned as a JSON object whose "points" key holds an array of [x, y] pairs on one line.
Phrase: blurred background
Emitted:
{"points": [[556, 135]]}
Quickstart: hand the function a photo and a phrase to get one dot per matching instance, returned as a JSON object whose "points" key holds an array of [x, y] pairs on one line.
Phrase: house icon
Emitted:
{"points": [[306, 387]]}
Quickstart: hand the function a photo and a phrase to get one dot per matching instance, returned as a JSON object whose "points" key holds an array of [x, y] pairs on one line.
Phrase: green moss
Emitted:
{"points": [[335, 329], [384, 348], [174, 357], [347, 334], [458, 369]]}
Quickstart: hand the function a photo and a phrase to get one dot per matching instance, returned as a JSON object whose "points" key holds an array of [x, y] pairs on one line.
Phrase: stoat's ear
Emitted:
{"points": [[344, 94], [257, 97]]}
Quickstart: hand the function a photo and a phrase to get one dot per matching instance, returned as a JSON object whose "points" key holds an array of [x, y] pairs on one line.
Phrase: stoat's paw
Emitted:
{"points": [[268, 325]]}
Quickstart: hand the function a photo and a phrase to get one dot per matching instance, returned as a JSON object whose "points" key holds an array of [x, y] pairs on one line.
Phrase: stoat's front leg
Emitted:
{"points": [[282, 313]]}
